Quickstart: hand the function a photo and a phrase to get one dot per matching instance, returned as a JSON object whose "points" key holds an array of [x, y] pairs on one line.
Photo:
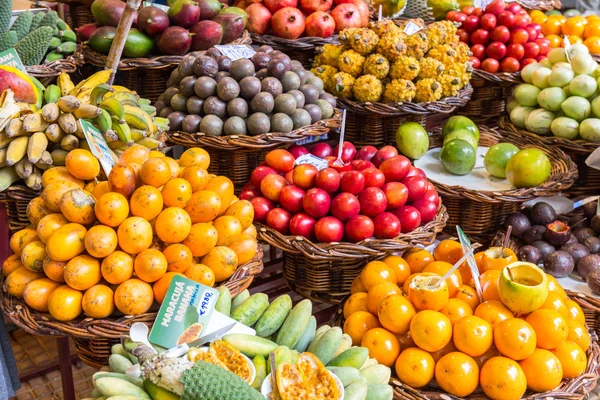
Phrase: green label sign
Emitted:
{"points": [[98, 145], [466, 247], [10, 58], [184, 313]]}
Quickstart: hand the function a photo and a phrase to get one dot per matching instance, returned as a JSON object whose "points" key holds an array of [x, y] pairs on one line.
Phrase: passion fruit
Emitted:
{"points": [[529, 253], [543, 213], [523, 287], [587, 264], [545, 247], [533, 234], [576, 251], [582, 233], [559, 264], [593, 244], [557, 233], [593, 280], [519, 222]]}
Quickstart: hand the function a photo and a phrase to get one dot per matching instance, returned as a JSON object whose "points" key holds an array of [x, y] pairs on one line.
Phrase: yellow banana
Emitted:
{"points": [[137, 118], [68, 103], [4, 140], [50, 112], [14, 128], [59, 156], [65, 84], [93, 81], [54, 133], [117, 145], [162, 124], [16, 150], [98, 93], [124, 98], [69, 142], [118, 88], [34, 123], [68, 123], [123, 131], [34, 181], [3, 157], [148, 109], [150, 143], [104, 121], [45, 159], [114, 107], [110, 136], [144, 102], [87, 111], [24, 168], [84, 96], [38, 142], [8, 176], [137, 134]]}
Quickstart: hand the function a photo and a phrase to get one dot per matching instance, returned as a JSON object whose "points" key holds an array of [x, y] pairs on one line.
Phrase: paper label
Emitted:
{"points": [[312, 160], [236, 51], [10, 58], [163, 7], [481, 3], [98, 145], [466, 247], [312, 139], [411, 28], [567, 46], [186, 303]]}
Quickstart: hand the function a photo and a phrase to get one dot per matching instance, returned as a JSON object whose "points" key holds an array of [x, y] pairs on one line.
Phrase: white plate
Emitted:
{"points": [[267, 389], [248, 361]]}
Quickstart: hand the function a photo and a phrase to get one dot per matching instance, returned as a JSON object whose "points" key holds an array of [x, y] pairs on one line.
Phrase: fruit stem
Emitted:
{"points": [[510, 275]]}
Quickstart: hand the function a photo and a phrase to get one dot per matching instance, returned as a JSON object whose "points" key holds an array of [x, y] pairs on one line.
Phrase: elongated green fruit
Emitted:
{"points": [[99, 92]]}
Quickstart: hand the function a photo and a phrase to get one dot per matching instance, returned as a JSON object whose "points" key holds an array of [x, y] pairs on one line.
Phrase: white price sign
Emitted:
{"points": [[236, 51], [312, 160], [411, 28]]}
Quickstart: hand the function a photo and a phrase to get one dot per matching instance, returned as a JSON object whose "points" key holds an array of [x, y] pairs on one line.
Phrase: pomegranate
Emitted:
{"points": [[363, 7], [276, 5], [259, 18], [347, 16], [288, 23], [320, 24], [311, 6]]}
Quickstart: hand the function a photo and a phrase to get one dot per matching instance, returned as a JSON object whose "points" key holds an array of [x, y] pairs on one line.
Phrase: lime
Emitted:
{"points": [[412, 140], [462, 134], [528, 168], [497, 157], [459, 122], [458, 157]]}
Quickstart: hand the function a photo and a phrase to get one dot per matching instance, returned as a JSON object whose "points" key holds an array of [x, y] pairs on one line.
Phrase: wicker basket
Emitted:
{"points": [[490, 92], [80, 12], [237, 156], [94, 337], [479, 213], [375, 124], [324, 271], [147, 76], [301, 49], [588, 181], [47, 72], [16, 198]]}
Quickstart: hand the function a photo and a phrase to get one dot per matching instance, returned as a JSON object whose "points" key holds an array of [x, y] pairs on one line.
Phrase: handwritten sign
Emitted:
{"points": [[466, 247], [312, 160], [236, 51], [98, 145], [411, 28], [10, 58]]}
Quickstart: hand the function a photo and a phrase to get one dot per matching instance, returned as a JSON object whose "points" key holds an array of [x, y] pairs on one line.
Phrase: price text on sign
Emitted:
{"points": [[98, 145], [312, 160], [236, 51], [10, 58]]}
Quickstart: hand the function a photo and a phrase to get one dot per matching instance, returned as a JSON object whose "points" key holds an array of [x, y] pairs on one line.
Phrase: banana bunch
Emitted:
{"points": [[32, 141]]}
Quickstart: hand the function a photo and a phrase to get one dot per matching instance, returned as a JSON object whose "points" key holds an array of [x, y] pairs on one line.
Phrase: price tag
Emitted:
{"points": [[411, 28], [153, 4], [481, 3], [10, 58], [98, 145], [466, 247], [567, 45], [312, 160], [236, 51], [312, 139]]}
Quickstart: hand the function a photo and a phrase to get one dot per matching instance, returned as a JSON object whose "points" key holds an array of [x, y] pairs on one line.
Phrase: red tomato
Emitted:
{"points": [[532, 50], [513, 8], [506, 19], [515, 50], [496, 50], [510, 64], [478, 51], [527, 61], [495, 7], [478, 12], [475, 62], [532, 33], [279, 219], [522, 20], [540, 58], [451, 15], [280, 160], [490, 65], [544, 45], [463, 35], [468, 10], [488, 22], [500, 34], [471, 23], [480, 36], [519, 36], [460, 17]]}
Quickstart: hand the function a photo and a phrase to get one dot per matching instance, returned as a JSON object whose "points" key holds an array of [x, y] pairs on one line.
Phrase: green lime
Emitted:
{"points": [[458, 157], [497, 157], [459, 122], [412, 140], [462, 134]]}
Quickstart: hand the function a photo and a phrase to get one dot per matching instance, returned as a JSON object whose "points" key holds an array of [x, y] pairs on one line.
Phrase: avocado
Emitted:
{"points": [[137, 44]]}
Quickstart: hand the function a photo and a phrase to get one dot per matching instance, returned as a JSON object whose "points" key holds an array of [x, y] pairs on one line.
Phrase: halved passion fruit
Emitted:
{"points": [[307, 379], [494, 259], [523, 287], [190, 334], [232, 358], [558, 233], [425, 294]]}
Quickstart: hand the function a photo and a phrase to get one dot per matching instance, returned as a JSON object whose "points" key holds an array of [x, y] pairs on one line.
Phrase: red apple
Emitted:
{"points": [[259, 173], [359, 228], [515, 51], [395, 168], [510, 64], [321, 150], [328, 179], [519, 35], [311, 6], [500, 34], [329, 229], [490, 65], [259, 18], [261, 207], [463, 35], [417, 186], [359, 165], [373, 177], [480, 36], [302, 225], [372, 201], [276, 5], [488, 22], [383, 154], [387, 226], [475, 62], [320, 24], [288, 23], [296, 150], [526, 61], [291, 198], [304, 176], [507, 19], [531, 50], [348, 152], [409, 217], [279, 219], [272, 185], [432, 196], [352, 182], [345, 206], [495, 7], [316, 202], [396, 194], [471, 23], [366, 153], [347, 16], [427, 209]]}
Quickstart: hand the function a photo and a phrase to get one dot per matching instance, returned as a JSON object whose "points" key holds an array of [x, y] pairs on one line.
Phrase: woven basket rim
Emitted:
{"points": [[545, 5], [155, 62], [579, 145], [557, 182], [367, 248], [259, 142], [497, 77], [38, 323], [56, 67], [446, 105], [302, 43]]}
